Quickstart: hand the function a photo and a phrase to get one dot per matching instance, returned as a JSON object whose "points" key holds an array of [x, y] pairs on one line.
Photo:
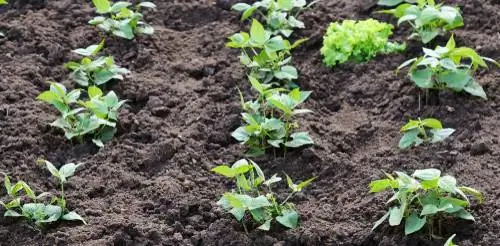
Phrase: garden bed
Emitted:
{"points": [[152, 185]]}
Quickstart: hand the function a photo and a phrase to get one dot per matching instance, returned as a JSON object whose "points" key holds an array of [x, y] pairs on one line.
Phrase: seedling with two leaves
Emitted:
{"points": [[448, 67], [93, 70], [269, 120], [253, 203], [29, 206], [357, 41], [424, 198], [97, 116], [427, 18], [279, 16], [266, 57], [416, 132], [120, 20]]}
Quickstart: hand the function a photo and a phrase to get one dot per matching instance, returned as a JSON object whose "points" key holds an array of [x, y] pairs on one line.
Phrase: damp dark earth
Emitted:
{"points": [[152, 184]]}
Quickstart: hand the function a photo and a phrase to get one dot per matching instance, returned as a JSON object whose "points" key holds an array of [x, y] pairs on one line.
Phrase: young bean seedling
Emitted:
{"points": [[120, 20], [416, 132], [31, 208], [92, 70], [267, 57], [448, 67], [280, 16], [97, 116], [269, 120], [427, 18], [357, 41], [424, 198], [253, 203]]}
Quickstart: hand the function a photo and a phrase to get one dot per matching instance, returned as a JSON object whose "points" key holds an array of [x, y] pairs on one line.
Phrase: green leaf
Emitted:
{"points": [[287, 72], [7, 184], [409, 139], [238, 213], [448, 184], [428, 35], [290, 219], [427, 174], [422, 78], [147, 5], [94, 91], [389, 3], [428, 209], [224, 171], [266, 226], [470, 191], [475, 89], [258, 202], [432, 123], [11, 213], [48, 97], [272, 180], [256, 85], [299, 139], [395, 216], [247, 13], [463, 214], [68, 170], [414, 223], [449, 242], [52, 169], [439, 135], [380, 221], [73, 216], [102, 6], [258, 33], [241, 7], [380, 185]]}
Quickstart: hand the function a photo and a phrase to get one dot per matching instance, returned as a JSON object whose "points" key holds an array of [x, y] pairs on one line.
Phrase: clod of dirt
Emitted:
{"points": [[479, 149]]}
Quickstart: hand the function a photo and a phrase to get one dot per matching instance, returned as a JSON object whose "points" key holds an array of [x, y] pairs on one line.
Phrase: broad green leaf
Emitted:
{"points": [[266, 226], [68, 170], [299, 139], [439, 135], [73, 216], [427, 174], [290, 219], [463, 214], [395, 216], [224, 171], [380, 185], [247, 13], [11, 213], [389, 3], [422, 78], [147, 5], [238, 213], [414, 223], [102, 6], [428, 35], [52, 169], [455, 80], [475, 89], [451, 45], [258, 202], [432, 123], [240, 7], [272, 180], [94, 91], [240, 134], [258, 33], [412, 124], [287, 72], [380, 221], [256, 85], [475, 193], [409, 139], [429, 209], [448, 184]]}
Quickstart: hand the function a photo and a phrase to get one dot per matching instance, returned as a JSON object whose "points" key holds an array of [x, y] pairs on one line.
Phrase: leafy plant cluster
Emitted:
{"points": [[33, 207], [357, 41], [120, 19], [269, 120], [416, 132], [424, 198], [427, 18], [92, 112], [448, 67], [253, 202]]}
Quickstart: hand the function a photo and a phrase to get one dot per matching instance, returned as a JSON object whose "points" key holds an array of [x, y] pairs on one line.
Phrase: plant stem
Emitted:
{"points": [[287, 198]]}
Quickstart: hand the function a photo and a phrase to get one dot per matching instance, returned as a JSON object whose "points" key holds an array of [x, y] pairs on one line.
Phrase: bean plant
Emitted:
{"points": [[416, 132], [93, 70], [269, 120], [427, 18], [253, 202], [95, 116], [279, 16], [31, 206], [120, 19], [357, 41], [424, 198], [448, 67], [266, 57]]}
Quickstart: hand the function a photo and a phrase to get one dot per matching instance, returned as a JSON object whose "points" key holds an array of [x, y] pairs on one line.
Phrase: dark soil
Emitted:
{"points": [[152, 185]]}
